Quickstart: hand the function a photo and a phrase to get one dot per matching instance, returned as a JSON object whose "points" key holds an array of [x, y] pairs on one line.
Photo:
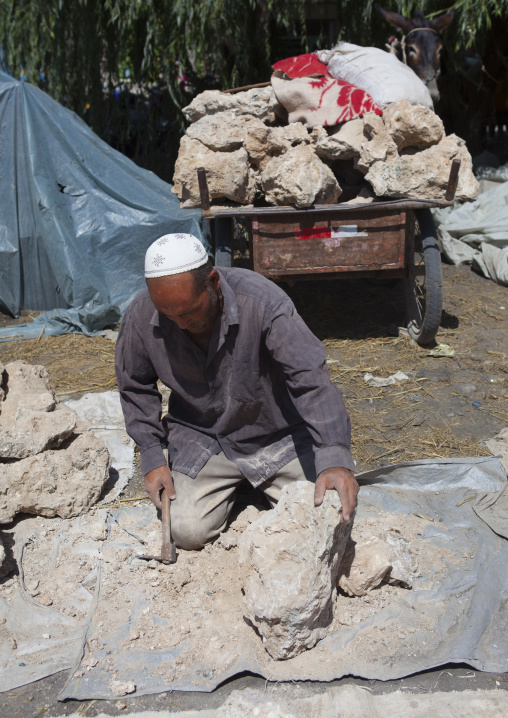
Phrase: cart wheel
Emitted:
{"points": [[424, 280]]}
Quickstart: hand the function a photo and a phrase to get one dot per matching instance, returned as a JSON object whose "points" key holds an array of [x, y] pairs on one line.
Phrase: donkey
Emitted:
{"points": [[420, 45]]}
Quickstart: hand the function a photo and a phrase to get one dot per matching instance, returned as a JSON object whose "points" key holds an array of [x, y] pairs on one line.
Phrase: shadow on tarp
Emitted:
{"points": [[76, 218]]}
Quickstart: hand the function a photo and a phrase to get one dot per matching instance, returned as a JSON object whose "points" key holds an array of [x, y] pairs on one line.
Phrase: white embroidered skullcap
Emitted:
{"points": [[173, 254]]}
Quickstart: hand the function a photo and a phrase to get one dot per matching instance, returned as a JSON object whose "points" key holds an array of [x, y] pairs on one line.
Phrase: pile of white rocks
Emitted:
{"points": [[251, 156], [47, 466]]}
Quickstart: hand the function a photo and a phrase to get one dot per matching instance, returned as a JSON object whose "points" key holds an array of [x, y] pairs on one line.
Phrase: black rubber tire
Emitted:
{"points": [[424, 280]]}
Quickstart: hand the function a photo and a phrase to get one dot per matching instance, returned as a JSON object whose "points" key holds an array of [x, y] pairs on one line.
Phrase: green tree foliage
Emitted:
{"points": [[76, 48], [80, 50]]}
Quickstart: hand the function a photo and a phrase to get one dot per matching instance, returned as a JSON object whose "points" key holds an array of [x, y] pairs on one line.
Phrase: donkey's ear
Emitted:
{"points": [[443, 21], [401, 23]]}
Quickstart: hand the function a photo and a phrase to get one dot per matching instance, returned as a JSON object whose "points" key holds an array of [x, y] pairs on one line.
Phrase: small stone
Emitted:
{"points": [[122, 688], [363, 567], [46, 636], [45, 600], [121, 705], [227, 540], [133, 634]]}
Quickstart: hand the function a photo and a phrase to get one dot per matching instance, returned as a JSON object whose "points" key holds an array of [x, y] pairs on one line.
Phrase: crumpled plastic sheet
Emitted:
{"points": [[494, 174], [102, 414], [476, 233], [492, 507], [76, 218], [468, 605]]}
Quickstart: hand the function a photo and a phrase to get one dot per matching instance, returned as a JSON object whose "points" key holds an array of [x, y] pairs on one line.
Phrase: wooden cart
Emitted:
{"points": [[383, 239]]}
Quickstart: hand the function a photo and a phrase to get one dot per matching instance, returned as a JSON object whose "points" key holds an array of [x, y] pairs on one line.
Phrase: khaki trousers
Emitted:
{"points": [[202, 505]]}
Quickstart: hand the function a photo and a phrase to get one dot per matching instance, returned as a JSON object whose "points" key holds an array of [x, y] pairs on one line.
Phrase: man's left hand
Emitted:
{"points": [[344, 482]]}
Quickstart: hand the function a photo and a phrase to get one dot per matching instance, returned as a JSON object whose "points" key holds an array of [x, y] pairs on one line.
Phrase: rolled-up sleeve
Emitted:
{"points": [[140, 398], [317, 400]]}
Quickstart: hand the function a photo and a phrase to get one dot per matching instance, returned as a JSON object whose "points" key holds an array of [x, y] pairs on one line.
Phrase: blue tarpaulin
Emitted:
{"points": [[76, 218]]}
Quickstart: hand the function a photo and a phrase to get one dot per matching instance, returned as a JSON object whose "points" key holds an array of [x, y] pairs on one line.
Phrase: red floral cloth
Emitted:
{"points": [[302, 84], [302, 66]]}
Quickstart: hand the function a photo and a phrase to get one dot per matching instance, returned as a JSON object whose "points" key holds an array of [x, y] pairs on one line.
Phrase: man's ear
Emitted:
{"points": [[214, 279]]}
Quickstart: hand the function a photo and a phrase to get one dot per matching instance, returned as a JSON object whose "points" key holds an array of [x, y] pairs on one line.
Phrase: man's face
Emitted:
{"points": [[178, 299]]}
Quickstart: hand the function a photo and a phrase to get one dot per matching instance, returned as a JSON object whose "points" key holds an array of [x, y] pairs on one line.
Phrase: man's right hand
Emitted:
{"points": [[159, 479]]}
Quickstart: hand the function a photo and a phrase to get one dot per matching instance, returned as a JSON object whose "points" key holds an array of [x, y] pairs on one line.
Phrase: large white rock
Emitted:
{"points": [[290, 560], [28, 386], [225, 131], [344, 144], [298, 177], [259, 102], [424, 175], [413, 125], [31, 432], [295, 134], [55, 483], [379, 146], [31, 419], [228, 173]]}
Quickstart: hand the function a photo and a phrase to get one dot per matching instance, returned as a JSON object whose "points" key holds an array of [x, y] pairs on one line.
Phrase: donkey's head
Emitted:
{"points": [[420, 47]]}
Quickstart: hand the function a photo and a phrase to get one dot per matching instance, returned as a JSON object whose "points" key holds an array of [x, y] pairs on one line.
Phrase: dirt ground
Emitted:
{"points": [[432, 415]]}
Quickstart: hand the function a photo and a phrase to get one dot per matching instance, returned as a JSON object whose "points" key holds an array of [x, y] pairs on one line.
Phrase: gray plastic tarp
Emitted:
{"points": [[461, 617], [76, 217], [476, 233]]}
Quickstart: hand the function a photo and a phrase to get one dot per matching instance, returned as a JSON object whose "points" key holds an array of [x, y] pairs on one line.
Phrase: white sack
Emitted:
{"points": [[477, 233], [379, 73]]}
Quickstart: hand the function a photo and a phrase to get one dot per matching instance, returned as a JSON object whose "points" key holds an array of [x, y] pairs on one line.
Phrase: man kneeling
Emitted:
{"points": [[251, 398]]}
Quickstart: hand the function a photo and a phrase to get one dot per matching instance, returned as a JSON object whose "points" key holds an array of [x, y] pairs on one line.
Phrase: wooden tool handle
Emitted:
{"points": [[168, 551]]}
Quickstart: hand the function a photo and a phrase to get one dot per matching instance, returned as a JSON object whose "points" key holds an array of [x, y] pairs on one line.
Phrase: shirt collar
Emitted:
{"points": [[230, 311]]}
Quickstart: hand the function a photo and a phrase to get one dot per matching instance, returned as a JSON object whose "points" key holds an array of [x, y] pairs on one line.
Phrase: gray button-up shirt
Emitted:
{"points": [[261, 394]]}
